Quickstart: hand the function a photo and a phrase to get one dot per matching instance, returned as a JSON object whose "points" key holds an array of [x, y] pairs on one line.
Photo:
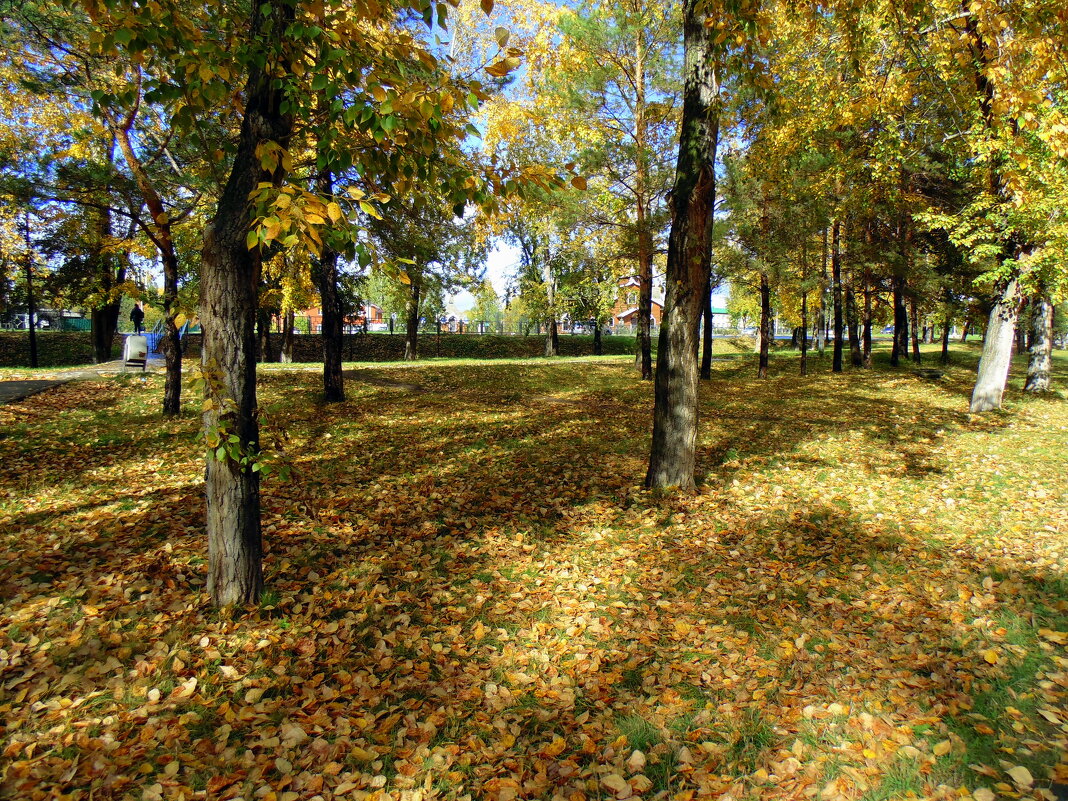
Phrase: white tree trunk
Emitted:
{"points": [[997, 350]]}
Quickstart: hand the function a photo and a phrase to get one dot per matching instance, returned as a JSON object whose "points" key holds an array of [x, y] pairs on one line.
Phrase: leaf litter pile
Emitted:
{"points": [[469, 595]]}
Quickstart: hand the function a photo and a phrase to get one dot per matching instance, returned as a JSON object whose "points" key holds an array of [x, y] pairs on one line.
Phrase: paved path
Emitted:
{"points": [[12, 391]]}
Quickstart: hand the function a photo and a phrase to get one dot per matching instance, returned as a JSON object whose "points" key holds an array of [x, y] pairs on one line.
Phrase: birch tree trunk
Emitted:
{"points": [[997, 350]]}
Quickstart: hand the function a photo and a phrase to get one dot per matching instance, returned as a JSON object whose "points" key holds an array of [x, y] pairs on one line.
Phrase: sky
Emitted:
{"points": [[500, 266]]}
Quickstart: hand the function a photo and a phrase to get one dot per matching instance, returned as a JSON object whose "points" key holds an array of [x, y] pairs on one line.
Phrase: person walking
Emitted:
{"points": [[137, 316]]}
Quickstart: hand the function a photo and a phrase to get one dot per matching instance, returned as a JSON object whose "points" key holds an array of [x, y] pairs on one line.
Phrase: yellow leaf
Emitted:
{"points": [[943, 748], [991, 656], [487, 6], [1021, 775], [556, 747]]}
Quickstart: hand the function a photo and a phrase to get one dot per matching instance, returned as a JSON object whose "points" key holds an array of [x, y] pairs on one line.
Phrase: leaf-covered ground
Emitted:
{"points": [[471, 596]]}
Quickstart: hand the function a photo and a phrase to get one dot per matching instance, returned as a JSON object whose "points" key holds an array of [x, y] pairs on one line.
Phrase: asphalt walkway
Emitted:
{"points": [[19, 389]]}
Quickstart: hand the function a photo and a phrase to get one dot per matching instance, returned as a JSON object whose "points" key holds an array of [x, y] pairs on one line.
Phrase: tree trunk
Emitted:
{"points": [[160, 233], [836, 289], [901, 325], [804, 333], [330, 300], [965, 331], [552, 338], [598, 346], [171, 342], [263, 335], [230, 275], [706, 332], [945, 337], [105, 322], [673, 454], [286, 351], [31, 306], [1040, 364], [821, 321], [866, 342], [644, 352], [765, 325], [411, 336], [915, 320], [997, 350], [856, 355], [1022, 320]]}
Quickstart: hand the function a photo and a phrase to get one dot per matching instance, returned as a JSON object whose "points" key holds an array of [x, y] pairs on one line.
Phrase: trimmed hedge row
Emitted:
{"points": [[387, 348], [54, 348], [69, 348]]}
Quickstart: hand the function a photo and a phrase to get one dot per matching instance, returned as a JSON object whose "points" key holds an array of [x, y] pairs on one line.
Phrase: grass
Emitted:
{"points": [[481, 593]]}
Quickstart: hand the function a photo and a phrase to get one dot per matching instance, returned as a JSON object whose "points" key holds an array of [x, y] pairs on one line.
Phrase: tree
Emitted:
{"points": [[673, 452]]}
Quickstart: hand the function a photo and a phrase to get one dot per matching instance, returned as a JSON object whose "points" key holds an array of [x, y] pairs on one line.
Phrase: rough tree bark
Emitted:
{"points": [[230, 275], [675, 415], [1040, 364], [552, 338]]}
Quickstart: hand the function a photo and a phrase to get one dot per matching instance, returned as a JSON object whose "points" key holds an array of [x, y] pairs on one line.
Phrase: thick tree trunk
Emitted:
{"points": [[804, 333], [915, 320], [997, 350], [230, 275], [836, 298], [673, 453], [598, 346], [706, 331], [1040, 364], [967, 329], [411, 335], [105, 322], [330, 300], [286, 351], [765, 325], [552, 338]]}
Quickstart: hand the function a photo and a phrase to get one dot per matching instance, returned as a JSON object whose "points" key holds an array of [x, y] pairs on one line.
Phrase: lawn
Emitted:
{"points": [[470, 594]]}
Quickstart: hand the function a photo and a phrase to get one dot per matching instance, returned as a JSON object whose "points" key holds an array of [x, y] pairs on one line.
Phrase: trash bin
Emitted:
{"points": [[135, 351]]}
